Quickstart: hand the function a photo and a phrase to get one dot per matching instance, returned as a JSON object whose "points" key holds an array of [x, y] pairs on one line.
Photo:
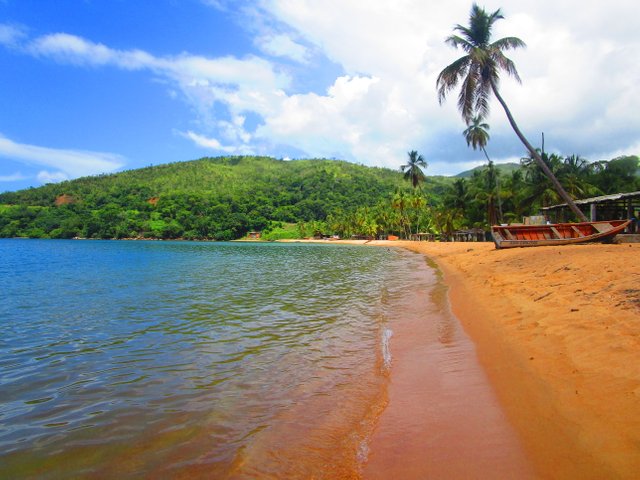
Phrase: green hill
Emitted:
{"points": [[503, 168], [211, 198]]}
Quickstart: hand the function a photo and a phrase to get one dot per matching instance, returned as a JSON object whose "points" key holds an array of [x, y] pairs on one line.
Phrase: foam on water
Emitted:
{"points": [[387, 333]]}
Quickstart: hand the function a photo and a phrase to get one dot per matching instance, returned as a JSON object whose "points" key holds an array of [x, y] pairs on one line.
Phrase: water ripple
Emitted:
{"points": [[118, 337]]}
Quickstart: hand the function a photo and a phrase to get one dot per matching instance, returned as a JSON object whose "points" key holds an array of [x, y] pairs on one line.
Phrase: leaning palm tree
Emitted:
{"points": [[413, 169], [478, 72]]}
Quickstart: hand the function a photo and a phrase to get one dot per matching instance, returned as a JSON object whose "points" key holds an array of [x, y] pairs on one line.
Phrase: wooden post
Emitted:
{"points": [[593, 212]]}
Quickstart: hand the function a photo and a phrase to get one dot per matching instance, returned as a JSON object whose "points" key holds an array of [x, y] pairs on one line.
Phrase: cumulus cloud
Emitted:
{"points": [[66, 163], [578, 74], [578, 80]]}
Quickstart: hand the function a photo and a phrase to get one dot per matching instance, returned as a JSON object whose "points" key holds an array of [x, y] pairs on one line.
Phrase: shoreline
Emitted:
{"points": [[443, 418], [557, 332]]}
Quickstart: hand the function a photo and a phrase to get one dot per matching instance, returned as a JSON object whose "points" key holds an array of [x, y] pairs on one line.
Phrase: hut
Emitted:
{"points": [[470, 235], [422, 237], [617, 206]]}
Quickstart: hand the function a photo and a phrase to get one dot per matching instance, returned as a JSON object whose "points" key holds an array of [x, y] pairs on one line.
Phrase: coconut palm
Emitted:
{"points": [[413, 169], [576, 173], [538, 188], [490, 194], [479, 74], [400, 202], [476, 134]]}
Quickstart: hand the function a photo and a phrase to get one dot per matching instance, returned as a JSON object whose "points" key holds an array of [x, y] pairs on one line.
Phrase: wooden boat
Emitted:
{"points": [[557, 233]]}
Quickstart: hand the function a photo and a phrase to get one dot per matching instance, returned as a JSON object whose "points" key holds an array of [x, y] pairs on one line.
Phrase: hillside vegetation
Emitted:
{"points": [[224, 198], [211, 198]]}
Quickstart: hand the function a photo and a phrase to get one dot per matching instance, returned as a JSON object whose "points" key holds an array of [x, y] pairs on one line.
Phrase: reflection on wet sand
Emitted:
{"points": [[443, 419]]}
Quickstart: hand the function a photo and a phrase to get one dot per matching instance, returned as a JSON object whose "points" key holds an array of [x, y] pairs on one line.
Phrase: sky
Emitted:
{"points": [[99, 86]]}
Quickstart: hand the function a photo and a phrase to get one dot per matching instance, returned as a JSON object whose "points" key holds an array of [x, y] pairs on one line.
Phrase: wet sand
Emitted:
{"points": [[443, 419], [557, 330]]}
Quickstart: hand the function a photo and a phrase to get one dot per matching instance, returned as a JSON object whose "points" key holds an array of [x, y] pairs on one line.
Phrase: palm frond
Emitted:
{"points": [[497, 15], [450, 77], [506, 64], [459, 42], [483, 95], [508, 43], [467, 33], [467, 96]]}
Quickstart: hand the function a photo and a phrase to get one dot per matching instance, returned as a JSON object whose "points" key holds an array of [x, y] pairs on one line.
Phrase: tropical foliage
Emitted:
{"points": [[212, 198], [491, 192], [224, 198]]}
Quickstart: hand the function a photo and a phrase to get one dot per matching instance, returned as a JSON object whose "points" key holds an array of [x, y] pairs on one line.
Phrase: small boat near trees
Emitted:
{"points": [[509, 236]]}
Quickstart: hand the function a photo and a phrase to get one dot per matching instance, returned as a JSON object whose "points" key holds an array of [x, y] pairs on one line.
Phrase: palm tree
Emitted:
{"points": [[412, 170], [476, 134], [490, 194], [400, 202], [576, 173], [417, 203], [457, 195], [478, 72], [538, 188]]}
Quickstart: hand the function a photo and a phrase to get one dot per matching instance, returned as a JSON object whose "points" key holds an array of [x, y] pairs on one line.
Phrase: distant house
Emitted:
{"points": [[254, 235]]}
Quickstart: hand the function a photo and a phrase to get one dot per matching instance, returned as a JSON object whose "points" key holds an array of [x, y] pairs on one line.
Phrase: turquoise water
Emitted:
{"points": [[213, 360]]}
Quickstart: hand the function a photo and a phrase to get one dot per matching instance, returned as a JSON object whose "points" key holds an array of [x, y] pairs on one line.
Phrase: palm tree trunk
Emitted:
{"points": [[485, 153], [538, 159], [497, 186]]}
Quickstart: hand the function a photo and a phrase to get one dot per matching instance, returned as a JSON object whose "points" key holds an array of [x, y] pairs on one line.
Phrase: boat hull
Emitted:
{"points": [[513, 236]]}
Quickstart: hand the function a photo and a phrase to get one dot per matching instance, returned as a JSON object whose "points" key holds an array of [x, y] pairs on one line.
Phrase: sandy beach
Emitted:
{"points": [[557, 330]]}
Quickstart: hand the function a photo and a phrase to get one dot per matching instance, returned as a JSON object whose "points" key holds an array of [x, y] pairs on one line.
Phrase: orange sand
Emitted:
{"points": [[558, 331]]}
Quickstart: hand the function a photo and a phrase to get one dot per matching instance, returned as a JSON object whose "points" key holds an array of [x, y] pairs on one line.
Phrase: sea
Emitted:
{"points": [[171, 359]]}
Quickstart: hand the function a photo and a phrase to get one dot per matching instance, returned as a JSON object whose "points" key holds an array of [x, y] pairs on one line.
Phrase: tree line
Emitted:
{"points": [[224, 198]]}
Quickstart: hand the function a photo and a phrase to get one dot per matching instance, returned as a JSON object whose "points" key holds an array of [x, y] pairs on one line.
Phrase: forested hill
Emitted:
{"points": [[211, 198]]}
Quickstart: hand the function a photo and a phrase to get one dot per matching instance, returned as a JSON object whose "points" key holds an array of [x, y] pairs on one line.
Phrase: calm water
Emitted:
{"points": [[187, 360]]}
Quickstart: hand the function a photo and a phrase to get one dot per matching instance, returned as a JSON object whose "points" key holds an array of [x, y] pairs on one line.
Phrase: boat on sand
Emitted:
{"points": [[509, 236]]}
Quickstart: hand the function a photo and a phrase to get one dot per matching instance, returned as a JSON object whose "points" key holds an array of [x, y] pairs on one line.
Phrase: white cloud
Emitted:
{"points": [[67, 163], [579, 79], [241, 84], [11, 35], [45, 176], [213, 144], [282, 45], [14, 177], [66, 48]]}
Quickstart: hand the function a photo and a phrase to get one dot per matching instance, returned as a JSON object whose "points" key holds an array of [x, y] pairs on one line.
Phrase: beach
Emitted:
{"points": [[557, 330]]}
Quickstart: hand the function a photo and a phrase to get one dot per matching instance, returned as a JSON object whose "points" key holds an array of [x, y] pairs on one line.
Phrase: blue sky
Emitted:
{"points": [[97, 86]]}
